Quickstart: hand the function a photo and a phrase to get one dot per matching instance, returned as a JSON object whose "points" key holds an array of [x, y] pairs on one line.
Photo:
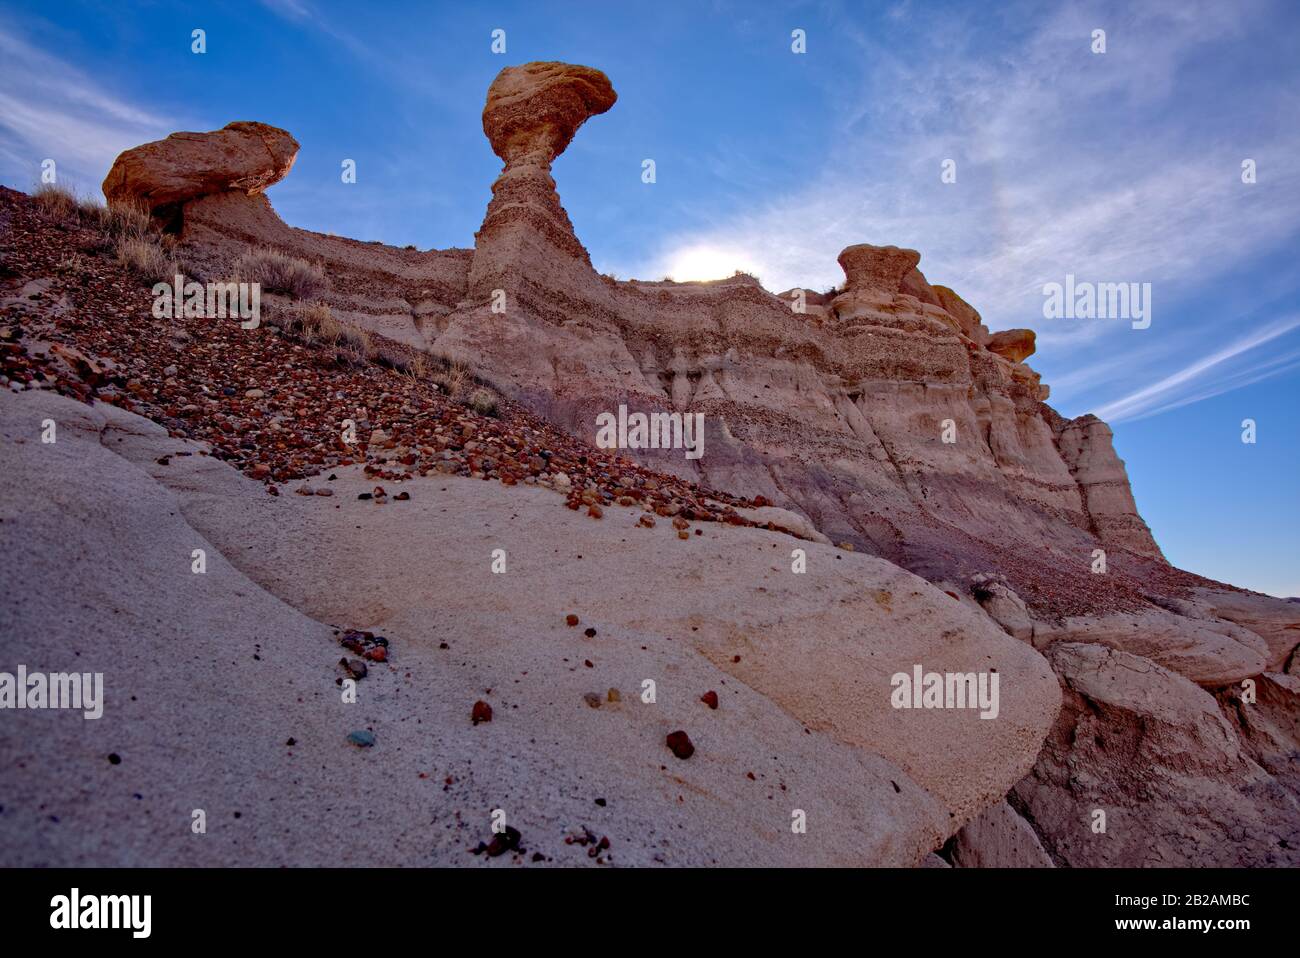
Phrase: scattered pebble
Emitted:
{"points": [[354, 667], [681, 745], [367, 645], [502, 842]]}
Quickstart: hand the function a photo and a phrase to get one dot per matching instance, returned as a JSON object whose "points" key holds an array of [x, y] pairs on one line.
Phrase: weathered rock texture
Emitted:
{"points": [[999, 838], [116, 499], [884, 416], [1155, 753], [531, 115], [242, 158]]}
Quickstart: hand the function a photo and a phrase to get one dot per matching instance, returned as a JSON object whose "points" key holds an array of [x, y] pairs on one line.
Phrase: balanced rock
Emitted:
{"points": [[877, 267], [1016, 345], [535, 109], [243, 157], [527, 240]]}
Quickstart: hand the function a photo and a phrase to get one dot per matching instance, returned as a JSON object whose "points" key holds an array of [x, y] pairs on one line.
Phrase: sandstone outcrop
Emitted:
{"points": [[1277, 623], [1155, 754], [531, 115], [883, 415], [241, 157], [534, 110], [1087, 449], [881, 787], [1210, 652], [999, 838], [880, 268], [1002, 604], [1015, 345]]}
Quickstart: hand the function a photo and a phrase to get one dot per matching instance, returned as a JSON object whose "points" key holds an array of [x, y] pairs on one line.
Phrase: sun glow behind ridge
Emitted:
{"points": [[704, 262]]}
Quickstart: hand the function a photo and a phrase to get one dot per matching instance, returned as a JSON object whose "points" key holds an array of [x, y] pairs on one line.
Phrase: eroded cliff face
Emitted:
{"points": [[892, 420], [887, 414]]}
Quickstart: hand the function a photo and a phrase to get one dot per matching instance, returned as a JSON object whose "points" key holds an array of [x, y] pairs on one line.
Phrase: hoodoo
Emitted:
{"points": [[980, 533]]}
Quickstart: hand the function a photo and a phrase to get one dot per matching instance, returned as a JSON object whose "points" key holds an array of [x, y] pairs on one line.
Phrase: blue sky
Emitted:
{"points": [[1115, 167]]}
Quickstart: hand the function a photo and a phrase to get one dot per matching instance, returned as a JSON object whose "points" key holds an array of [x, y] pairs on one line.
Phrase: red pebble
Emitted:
{"points": [[482, 712], [680, 743], [710, 698]]}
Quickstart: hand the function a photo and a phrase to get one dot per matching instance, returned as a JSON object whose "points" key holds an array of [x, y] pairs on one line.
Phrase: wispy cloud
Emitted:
{"points": [[1172, 391], [50, 109], [404, 68], [1115, 167], [301, 13]]}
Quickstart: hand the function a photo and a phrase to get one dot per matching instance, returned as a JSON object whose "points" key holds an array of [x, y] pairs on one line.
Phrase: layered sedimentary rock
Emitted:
{"points": [[531, 115], [1155, 755], [886, 417]]}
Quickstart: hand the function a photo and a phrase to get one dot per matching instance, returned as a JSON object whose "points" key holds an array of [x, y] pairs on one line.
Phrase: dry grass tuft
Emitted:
{"points": [[57, 202], [454, 378], [483, 403], [277, 272], [144, 257], [120, 220]]}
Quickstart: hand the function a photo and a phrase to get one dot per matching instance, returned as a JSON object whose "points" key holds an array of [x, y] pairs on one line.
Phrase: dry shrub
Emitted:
{"points": [[454, 378], [355, 341], [314, 322], [483, 403], [121, 220], [145, 258], [278, 272], [56, 201], [117, 221]]}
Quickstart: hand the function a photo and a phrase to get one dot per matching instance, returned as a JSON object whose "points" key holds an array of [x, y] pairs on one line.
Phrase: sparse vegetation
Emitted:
{"points": [[356, 339], [118, 221], [483, 403], [313, 322], [145, 257], [458, 381], [278, 272], [56, 201], [126, 230], [454, 377], [121, 220]]}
